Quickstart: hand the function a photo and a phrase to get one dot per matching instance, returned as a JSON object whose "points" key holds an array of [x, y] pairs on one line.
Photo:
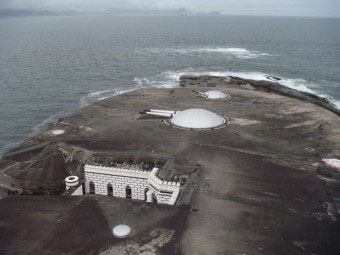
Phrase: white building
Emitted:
{"points": [[128, 183]]}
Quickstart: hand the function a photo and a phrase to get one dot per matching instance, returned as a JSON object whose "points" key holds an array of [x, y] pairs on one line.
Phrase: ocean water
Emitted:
{"points": [[52, 66]]}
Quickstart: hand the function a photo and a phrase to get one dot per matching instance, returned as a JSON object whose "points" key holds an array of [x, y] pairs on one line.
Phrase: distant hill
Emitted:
{"points": [[113, 12], [24, 13], [213, 13], [147, 12]]}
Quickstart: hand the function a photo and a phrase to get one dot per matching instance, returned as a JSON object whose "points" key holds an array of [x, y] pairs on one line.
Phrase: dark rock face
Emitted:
{"points": [[267, 86]]}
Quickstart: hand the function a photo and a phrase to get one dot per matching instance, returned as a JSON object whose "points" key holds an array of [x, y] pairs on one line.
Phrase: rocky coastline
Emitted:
{"points": [[273, 86]]}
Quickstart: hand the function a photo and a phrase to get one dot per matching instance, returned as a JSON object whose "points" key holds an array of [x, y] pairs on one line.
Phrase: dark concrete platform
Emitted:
{"points": [[83, 225], [253, 186]]}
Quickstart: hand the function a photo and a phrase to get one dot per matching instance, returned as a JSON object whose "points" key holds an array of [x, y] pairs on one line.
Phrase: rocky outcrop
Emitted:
{"points": [[268, 86]]}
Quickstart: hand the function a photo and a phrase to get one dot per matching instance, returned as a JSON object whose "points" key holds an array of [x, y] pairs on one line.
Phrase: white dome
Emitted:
{"points": [[214, 94], [197, 118]]}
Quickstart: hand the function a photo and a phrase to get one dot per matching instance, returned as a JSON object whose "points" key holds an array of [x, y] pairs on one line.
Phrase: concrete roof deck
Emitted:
{"points": [[257, 190], [83, 225]]}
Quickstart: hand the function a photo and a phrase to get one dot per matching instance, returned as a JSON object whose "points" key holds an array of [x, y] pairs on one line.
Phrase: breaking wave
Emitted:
{"points": [[170, 79], [100, 95], [163, 80], [240, 53], [46, 121], [233, 52]]}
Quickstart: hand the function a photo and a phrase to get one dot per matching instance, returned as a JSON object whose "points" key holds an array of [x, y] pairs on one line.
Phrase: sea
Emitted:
{"points": [[52, 66]]}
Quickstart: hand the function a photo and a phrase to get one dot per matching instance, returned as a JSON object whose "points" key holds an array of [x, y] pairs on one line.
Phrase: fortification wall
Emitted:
{"points": [[128, 183]]}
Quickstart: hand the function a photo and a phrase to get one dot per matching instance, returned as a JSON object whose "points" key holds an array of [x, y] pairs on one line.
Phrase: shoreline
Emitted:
{"points": [[191, 80], [263, 85], [259, 85], [185, 82]]}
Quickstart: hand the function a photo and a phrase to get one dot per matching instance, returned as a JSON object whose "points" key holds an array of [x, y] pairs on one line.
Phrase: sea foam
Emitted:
{"points": [[239, 53], [234, 52]]}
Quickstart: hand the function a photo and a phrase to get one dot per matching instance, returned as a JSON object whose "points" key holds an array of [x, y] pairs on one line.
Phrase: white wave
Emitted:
{"points": [[101, 95], [45, 122], [235, 52], [92, 97], [121, 92], [331, 99], [102, 98], [163, 80], [141, 82], [240, 53], [97, 93]]}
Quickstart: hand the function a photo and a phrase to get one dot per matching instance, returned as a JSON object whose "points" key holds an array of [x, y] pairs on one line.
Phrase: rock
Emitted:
{"points": [[267, 86], [273, 78]]}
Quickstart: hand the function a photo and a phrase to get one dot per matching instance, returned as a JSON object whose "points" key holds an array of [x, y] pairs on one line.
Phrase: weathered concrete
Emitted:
{"points": [[253, 185], [83, 225]]}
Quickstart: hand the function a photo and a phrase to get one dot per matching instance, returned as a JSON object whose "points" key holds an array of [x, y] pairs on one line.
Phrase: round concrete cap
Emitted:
{"points": [[197, 119], [121, 231], [58, 132], [215, 94], [72, 179]]}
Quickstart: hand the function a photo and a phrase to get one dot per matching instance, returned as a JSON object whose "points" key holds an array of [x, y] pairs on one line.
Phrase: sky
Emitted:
{"points": [[319, 8]]}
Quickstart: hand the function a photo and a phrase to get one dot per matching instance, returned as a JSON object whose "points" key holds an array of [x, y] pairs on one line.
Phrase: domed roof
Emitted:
{"points": [[214, 94], [197, 118]]}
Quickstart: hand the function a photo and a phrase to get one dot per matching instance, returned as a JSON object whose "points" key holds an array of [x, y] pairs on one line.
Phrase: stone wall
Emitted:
{"points": [[144, 185]]}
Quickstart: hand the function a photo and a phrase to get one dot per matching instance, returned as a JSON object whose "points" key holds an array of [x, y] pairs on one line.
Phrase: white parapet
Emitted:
{"points": [[116, 171], [162, 185], [173, 198]]}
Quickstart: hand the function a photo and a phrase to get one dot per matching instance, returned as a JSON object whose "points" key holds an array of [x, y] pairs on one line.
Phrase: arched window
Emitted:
{"points": [[146, 194], [128, 192], [92, 188], [154, 198], [109, 189]]}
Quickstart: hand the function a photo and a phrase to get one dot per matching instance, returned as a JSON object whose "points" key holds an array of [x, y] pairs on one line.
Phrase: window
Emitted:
{"points": [[128, 192], [109, 190], [92, 188]]}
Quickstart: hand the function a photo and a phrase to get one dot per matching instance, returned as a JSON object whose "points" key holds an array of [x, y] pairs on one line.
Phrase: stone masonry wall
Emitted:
{"points": [[119, 184], [138, 181]]}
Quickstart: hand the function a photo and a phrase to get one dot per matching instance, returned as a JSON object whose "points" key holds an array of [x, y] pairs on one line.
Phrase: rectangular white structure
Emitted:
{"points": [[127, 183]]}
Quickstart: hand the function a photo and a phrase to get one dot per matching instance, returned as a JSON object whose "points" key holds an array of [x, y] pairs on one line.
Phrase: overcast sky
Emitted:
{"points": [[324, 8]]}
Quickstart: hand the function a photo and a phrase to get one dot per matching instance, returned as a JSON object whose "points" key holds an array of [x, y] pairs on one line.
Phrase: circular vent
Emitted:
{"points": [[121, 231], [214, 94]]}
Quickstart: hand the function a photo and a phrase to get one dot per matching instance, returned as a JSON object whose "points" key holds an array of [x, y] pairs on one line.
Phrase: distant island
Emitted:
{"points": [[213, 13], [112, 12]]}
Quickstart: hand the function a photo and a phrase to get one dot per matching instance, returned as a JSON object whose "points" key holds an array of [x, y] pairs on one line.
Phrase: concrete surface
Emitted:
{"points": [[253, 187]]}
